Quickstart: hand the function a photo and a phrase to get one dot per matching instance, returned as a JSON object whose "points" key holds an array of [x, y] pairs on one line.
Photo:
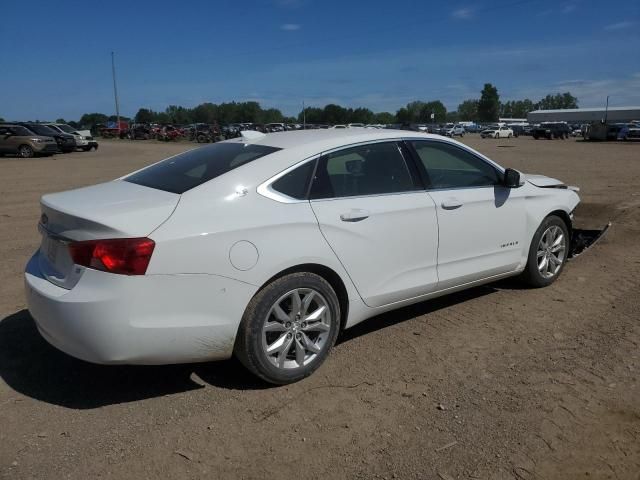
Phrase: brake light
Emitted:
{"points": [[126, 256]]}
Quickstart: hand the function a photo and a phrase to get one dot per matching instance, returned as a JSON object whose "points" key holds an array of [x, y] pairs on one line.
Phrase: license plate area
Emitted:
{"points": [[50, 249]]}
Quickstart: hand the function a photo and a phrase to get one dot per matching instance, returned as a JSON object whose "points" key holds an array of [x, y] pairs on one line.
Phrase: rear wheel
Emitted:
{"points": [[25, 151], [548, 253], [289, 328]]}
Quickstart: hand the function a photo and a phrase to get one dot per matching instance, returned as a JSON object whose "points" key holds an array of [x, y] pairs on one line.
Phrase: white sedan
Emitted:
{"points": [[267, 246], [497, 132]]}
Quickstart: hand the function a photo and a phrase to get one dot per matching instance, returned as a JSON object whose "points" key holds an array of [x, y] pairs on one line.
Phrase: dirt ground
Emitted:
{"points": [[496, 382]]}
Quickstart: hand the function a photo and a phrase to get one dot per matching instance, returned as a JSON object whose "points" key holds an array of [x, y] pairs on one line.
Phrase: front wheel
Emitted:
{"points": [[288, 328], [25, 151], [548, 253]]}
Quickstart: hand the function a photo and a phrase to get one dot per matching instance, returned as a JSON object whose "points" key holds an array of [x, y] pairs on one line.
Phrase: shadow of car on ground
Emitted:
{"points": [[32, 367]]}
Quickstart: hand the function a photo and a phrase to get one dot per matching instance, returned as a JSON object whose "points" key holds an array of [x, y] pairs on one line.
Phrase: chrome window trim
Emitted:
{"points": [[266, 188]]}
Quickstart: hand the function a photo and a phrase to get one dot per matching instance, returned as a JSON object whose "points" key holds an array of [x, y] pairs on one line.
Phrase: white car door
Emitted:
{"points": [[378, 220], [481, 223]]}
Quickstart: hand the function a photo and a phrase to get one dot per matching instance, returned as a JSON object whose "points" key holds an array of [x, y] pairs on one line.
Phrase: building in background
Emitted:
{"points": [[585, 115]]}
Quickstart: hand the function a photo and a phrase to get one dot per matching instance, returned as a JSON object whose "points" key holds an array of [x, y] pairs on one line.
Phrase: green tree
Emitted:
{"points": [[489, 104], [271, 115], [435, 107], [420, 112], [384, 118], [312, 115], [468, 110], [249, 112], [557, 101], [145, 115], [452, 117], [361, 115], [88, 120], [205, 113], [335, 114]]}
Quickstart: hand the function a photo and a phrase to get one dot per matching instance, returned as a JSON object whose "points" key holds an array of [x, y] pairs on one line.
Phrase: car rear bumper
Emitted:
{"points": [[147, 319]]}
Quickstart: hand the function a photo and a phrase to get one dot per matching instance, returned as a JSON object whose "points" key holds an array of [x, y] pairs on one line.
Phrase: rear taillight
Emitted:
{"points": [[126, 256]]}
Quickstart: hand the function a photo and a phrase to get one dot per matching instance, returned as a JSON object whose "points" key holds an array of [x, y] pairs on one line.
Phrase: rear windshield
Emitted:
{"points": [[195, 167]]}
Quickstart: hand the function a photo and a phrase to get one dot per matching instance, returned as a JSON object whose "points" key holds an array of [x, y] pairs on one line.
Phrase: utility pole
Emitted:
{"points": [[304, 117], [606, 110], [115, 91]]}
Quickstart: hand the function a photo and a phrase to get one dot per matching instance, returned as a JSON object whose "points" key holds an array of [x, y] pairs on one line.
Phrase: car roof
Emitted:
{"points": [[328, 139]]}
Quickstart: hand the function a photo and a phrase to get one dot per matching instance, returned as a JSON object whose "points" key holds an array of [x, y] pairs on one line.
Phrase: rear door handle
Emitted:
{"points": [[355, 215], [451, 203]]}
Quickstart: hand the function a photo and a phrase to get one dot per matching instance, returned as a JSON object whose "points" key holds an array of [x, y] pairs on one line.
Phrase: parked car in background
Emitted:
{"points": [[84, 140], [275, 127], [268, 246], [18, 140], [497, 132], [630, 131], [456, 130], [551, 130], [138, 131], [66, 142], [167, 133], [355, 125]]}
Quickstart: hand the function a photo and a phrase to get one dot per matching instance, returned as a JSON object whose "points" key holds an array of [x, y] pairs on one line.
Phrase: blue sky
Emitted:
{"points": [[377, 54]]}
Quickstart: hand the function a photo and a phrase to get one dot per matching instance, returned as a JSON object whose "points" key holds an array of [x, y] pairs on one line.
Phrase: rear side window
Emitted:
{"points": [[372, 169], [195, 167], [295, 183]]}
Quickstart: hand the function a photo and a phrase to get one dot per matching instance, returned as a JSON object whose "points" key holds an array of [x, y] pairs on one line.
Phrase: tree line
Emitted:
{"points": [[486, 108]]}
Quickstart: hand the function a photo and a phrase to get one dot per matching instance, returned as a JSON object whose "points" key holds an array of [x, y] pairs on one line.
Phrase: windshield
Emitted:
{"points": [[41, 129], [195, 167], [66, 128]]}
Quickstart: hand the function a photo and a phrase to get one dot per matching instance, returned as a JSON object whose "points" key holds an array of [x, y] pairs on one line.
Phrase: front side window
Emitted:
{"points": [[195, 167], [65, 128], [21, 131], [449, 166], [372, 169]]}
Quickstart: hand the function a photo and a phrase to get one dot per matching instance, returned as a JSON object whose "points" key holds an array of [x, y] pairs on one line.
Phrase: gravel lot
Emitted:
{"points": [[495, 382]]}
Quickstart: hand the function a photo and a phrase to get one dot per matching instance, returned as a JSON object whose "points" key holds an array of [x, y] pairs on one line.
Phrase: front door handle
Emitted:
{"points": [[355, 215], [451, 203]]}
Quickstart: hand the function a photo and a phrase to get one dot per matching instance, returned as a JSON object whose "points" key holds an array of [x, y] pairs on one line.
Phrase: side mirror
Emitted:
{"points": [[511, 178]]}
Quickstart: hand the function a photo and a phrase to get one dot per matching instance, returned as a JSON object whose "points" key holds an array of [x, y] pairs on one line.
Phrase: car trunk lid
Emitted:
{"points": [[115, 209]]}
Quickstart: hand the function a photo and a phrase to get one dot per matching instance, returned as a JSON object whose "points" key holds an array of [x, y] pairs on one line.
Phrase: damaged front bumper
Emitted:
{"points": [[582, 239]]}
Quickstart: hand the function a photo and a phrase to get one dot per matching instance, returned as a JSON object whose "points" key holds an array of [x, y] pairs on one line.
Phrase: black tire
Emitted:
{"points": [[531, 275], [249, 348], [86, 149], [25, 151]]}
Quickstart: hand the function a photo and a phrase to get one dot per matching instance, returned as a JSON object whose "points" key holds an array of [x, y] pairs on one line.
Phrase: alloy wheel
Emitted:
{"points": [[551, 251], [296, 329], [25, 151]]}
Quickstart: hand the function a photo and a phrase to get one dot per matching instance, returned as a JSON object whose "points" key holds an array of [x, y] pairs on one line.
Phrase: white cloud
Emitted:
{"points": [[290, 27], [462, 13], [620, 25]]}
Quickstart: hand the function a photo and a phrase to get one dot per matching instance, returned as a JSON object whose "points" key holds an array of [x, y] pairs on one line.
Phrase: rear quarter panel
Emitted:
{"points": [[200, 235]]}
